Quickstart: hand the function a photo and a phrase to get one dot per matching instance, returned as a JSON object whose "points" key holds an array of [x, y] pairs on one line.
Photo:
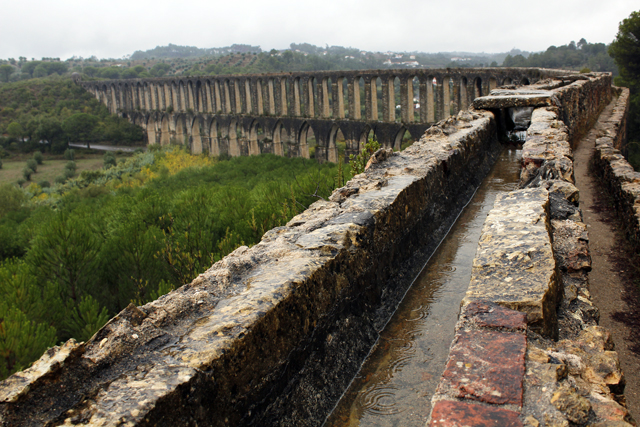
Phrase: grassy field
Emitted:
{"points": [[52, 167]]}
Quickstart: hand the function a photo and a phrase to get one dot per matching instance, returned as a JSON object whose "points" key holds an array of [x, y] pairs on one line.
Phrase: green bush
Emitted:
{"points": [[21, 182], [32, 164], [44, 184], [109, 160], [359, 162], [38, 157], [71, 165], [26, 173], [60, 179], [69, 154], [68, 173]]}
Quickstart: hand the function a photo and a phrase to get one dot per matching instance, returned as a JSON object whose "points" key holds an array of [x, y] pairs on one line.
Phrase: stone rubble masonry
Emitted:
{"points": [[557, 367], [231, 348], [622, 180]]}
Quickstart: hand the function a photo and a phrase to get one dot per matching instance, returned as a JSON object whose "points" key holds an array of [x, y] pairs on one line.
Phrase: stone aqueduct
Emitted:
{"points": [[276, 113]]}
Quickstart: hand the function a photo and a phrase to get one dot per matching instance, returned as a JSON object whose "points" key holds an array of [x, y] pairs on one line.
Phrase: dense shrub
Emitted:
{"points": [[109, 160], [32, 164], [27, 172], [137, 230], [38, 157], [71, 165], [69, 154], [68, 173]]}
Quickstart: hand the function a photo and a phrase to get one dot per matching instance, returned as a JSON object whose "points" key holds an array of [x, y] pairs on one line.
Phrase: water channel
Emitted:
{"points": [[396, 382]]}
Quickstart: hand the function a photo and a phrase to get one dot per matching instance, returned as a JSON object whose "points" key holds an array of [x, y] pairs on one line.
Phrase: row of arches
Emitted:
{"points": [[403, 96], [236, 136]]}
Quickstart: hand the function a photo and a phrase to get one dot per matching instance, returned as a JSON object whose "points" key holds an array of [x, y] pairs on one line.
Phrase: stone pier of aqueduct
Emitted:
{"points": [[278, 113]]}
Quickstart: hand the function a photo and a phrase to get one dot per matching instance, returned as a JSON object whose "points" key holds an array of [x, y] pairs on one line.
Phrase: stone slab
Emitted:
{"points": [[485, 314], [514, 264], [502, 98], [487, 366], [457, 414]]}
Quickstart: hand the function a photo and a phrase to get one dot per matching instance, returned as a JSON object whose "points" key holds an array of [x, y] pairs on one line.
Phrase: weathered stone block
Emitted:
{"points": [[487, 366], [514, 264], [499, 99], [484, 314], [459, 414], [571, 245]]}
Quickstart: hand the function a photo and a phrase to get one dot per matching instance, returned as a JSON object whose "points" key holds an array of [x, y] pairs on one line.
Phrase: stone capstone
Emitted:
{"points": [[514, 264], [502, 98]]}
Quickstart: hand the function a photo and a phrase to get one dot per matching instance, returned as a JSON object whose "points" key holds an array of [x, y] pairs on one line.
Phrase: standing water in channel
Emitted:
{"points": [[396, 382]]}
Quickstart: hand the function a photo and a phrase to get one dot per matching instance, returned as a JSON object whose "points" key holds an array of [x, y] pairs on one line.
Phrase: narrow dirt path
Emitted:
{"points": [[613, 269]]}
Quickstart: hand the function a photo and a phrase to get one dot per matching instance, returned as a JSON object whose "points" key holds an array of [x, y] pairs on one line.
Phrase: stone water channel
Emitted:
{"points": [[396, 382]]}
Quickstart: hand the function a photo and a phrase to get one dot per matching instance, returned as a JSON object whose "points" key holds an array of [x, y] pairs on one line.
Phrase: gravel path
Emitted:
{"points": [[615, 269], [101, 147]]}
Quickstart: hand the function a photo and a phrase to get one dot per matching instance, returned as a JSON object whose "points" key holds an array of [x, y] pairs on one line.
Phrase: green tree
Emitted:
{"points": [[5, 72], [50, 131], [90, 71], [80, 126], [11, 198], [29, 67], [15, 130], [625, 50], [21, 340], [65, 252]]}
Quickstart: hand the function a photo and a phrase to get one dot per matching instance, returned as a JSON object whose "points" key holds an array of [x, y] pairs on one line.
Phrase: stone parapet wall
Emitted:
{"points": [[619, 176], [272, 334], [513, 369]]}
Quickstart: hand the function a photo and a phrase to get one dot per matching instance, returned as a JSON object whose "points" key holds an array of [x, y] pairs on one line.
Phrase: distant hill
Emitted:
{"points": [[175, 51]]}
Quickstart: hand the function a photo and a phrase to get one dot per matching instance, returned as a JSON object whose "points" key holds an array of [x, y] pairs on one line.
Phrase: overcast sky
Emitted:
{"points": [[114, 28]]}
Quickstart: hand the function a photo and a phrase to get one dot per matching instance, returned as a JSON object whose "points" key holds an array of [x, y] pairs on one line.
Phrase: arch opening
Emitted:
{"points": [[258, 143], [279, 143], [477, 88], [337, 144], [308, 142], [403, 140], [416, 98]]}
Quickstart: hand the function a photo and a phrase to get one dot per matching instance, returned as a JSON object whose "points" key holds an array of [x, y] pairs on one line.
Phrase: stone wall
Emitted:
{"points": [[528, 350], [620, 177], [272, 334]]}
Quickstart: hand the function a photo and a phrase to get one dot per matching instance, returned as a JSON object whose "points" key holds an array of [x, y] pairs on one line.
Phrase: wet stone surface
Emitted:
{"points": [[486, 366], [514, 264], [458, 414], [575, 380]]}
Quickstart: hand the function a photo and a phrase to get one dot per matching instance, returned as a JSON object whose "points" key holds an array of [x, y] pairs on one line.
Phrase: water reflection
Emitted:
{"points": [[395, 384]]}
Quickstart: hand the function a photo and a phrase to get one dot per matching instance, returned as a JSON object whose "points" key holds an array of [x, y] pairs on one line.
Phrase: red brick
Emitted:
{"points": [[488, 314], [458, 414], [487, 366]]}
